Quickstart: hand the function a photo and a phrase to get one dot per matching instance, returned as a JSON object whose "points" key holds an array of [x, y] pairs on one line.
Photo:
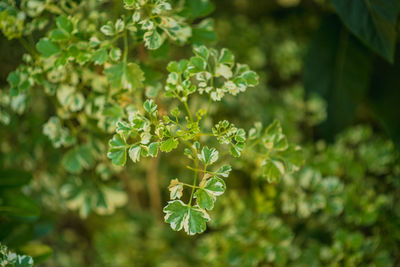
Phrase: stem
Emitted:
{"points": [[196, 164], [208, 106], [199, 170], [189, 185], [188, 111]]}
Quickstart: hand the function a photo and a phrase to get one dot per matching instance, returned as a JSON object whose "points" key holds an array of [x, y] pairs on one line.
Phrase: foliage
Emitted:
{"points": [[129, 134], [10, 259]]}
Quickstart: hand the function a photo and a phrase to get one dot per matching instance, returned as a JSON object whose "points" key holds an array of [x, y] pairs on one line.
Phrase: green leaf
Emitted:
{"points": [[153, 149], [224, 71], [373, 21], [178, 67], [236, 149], [204, 199], [203, 32], [115, 53], [149, 106], [107, 30], [100, 57], [126, 76], [47, 48], [175, 188], [24, 261], [179, 215], [273, 170], [240, 135], [117, 152], [70, 98], [134, 153], [208, 155], [194, 9], [169, 144], [152, 40], [11, 259], [226, 57], [14, 203], [293, 158], [224, 171], [210, 189], [251, 78], [14, 178], [64, 24], [78, 158], [197, 64], [335, 58], [134, 76], [274, 138], [58, 35]]}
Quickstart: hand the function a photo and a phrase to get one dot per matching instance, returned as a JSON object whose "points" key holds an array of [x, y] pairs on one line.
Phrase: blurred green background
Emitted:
{"points": [[330, 72]]}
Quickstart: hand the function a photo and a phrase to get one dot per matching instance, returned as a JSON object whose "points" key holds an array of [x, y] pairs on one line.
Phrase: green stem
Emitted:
{"points": [[199, 170], [196, 164], [189, 185], [188, 111], [208, 106]]}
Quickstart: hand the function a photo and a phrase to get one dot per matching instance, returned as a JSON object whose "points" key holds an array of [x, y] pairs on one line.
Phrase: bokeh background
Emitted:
{"points": [[336, 95]]}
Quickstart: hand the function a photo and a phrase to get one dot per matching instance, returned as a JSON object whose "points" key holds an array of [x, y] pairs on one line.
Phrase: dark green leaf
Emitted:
{"points": [[14, 178], [373, 21], [47, 48], [64, 24], [337, 68]]}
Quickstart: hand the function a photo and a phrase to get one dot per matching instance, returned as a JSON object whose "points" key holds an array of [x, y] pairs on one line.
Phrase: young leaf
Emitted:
{"points": [[251, 78], [176, 189], [79, 158], [152, 40], [107, 30], [273, 170], [179, 215], [224, 171], [208, 155], [236, 149], [226, 57], [134, 153], [126, 76], [117, 152], [100, 57], [64, 24], [47, 48], [58, 35], [149, 106], [153, 149], [274, 138], [169, 144], [208, 192]]}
